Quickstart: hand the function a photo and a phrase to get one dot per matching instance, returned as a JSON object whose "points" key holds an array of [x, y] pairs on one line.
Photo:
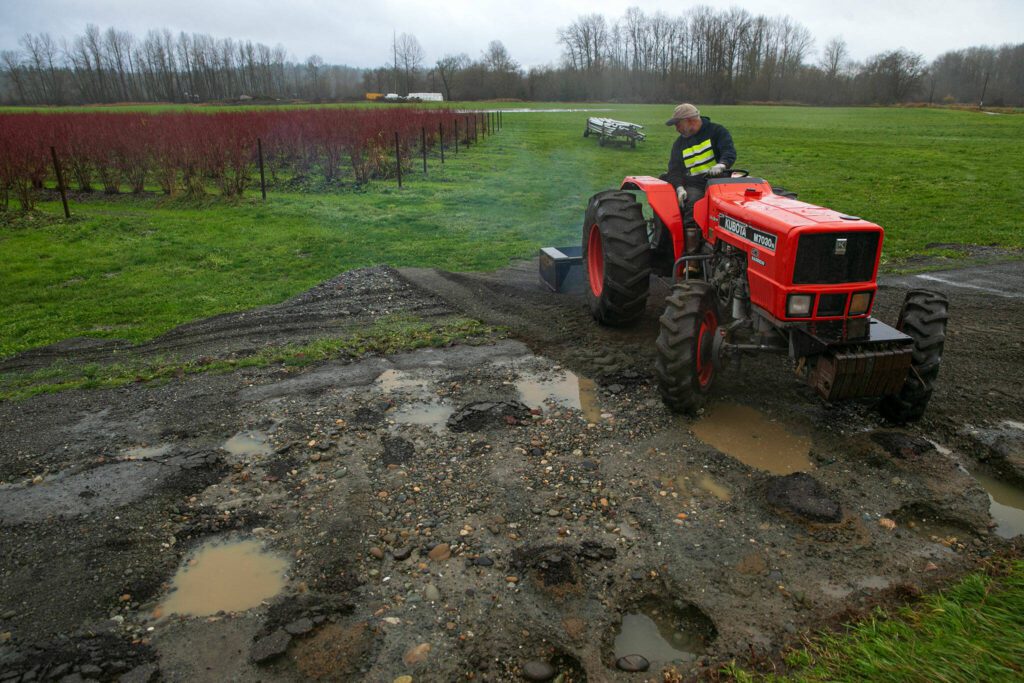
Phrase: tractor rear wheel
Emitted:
{"points": [[616, 258], [685, 365], [923, 317]]}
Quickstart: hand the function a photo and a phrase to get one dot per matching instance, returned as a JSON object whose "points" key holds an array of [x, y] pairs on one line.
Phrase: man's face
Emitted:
{"points": [[687, 127]]}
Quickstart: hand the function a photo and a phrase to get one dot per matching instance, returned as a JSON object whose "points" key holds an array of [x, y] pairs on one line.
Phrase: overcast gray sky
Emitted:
{"points": [[359, 33]]}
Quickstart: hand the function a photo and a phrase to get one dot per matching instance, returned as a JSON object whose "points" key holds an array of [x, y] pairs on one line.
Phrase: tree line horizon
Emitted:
{"points": [[703, 55]]}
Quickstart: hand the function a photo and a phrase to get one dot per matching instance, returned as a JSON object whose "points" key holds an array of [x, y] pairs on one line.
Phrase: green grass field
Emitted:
{"points": [[133, 268]]}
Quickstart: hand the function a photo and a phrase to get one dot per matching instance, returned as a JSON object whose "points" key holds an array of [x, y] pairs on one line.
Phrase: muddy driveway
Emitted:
{"points": [[518, 508]]}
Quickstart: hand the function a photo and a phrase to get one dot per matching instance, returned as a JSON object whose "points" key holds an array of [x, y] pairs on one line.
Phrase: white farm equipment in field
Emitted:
{"points": [[610, 129]]}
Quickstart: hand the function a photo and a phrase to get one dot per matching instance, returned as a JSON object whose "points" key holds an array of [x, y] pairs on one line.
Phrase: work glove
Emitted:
{"points": [[681, 194], [716, 170]]}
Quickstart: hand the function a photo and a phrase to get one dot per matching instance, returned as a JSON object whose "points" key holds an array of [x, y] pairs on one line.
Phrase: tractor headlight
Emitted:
{"points": [[859, 303], [799, 305]]}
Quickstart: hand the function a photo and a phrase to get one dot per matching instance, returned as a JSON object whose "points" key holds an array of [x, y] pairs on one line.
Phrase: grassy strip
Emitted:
{"points": [[132, 268], [386, 336], [970, 632]]}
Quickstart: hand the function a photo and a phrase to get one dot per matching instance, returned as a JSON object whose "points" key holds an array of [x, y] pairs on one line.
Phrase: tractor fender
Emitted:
{"points": [[662, 198]]}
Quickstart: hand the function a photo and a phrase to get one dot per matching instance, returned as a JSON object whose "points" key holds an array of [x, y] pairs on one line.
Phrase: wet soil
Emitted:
{"points": [[458, 513]]}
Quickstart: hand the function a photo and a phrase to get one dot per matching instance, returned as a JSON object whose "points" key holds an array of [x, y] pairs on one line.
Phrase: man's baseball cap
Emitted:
{"points": [[683, 111]]}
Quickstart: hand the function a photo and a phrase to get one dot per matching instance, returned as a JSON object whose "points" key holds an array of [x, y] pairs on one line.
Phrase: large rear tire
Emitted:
{"points": [[685, 365], [616, 258], [924, 316]]}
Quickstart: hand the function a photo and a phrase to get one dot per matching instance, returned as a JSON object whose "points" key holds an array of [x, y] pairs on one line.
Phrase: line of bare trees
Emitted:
{"points": [[732, 55], [114, 66], [704, 54]]}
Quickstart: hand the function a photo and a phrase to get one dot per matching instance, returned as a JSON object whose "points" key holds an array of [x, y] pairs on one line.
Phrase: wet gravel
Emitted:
{"points": [[494, 538]]}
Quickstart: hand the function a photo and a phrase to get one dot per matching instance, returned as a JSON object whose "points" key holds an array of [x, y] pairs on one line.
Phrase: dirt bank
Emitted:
{"points": [[494, 511]]}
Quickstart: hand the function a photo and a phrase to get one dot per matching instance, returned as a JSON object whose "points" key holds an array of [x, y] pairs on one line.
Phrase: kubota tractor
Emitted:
{"points": [[760, 272]]}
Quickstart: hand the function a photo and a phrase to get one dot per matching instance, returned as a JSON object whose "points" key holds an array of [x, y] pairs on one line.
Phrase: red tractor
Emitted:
{"points": [[760, 272]]}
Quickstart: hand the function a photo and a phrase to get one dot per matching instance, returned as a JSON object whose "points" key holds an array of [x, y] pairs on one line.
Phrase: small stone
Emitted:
{"points": [[403, 679], [538, 671], [401, 554], [270, 647], [90, 670], [887, 523], [440, 553], [416, 654], [377, 553], [483, 561], [315, 457], [637, 576], [589, 465], [633, 663], [431, 593], [512, 579], [299, 626], [553, 513]]}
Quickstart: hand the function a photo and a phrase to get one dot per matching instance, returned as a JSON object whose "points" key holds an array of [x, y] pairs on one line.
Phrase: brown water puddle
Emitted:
{"points": [[1006, 506], [658, 636], [750, 437], [432, 414], [703, 482], [225, 575], [248, 444], [398, 380], [567, 389]]}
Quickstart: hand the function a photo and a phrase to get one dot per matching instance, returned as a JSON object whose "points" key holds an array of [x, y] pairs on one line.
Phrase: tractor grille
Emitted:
{"points": [[818, 263], [831, 304]]}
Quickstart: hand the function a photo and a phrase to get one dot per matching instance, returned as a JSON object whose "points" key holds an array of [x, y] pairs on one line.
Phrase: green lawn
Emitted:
{"points": [[969, 632], [133, 268]]}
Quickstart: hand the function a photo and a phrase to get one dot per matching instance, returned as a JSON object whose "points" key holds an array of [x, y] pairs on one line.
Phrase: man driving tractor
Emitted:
{"points": [[702, 150]]}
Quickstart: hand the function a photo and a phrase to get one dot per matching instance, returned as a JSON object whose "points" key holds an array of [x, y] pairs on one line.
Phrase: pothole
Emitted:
{"points": [[927, 522], [688, 484], [664, 632], [433, 414], [224, 575], [248, 444], [750, 437], [1006, 505], [565, 388]]}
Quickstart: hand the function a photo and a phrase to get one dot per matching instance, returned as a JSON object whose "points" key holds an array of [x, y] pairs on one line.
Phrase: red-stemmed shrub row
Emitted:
{"points": [[185, 152]]}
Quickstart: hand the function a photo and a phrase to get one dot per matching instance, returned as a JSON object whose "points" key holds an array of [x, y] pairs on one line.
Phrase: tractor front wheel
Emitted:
{"points": [[924, 316], [685, 365], [616, 258]]}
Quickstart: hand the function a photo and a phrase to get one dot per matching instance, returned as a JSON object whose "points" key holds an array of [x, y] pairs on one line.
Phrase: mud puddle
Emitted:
{"points": [[750, 437], [248, 444], [563, 388], [433, 414], [229, 576], [702, 482], [1007, 505], [662, 635]]}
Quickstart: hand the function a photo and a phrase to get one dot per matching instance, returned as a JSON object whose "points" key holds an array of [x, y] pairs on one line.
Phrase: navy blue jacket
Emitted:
{"points": [[721, 145]]}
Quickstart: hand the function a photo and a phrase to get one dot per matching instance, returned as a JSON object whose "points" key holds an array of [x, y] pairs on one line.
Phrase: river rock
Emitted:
{"points": [[440, 552], [633, 663], [416, 654]]}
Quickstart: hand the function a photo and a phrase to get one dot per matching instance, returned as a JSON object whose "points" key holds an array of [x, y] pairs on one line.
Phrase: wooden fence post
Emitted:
{"points": [[263, 179], [60, 182], [456, 136], [440, 139], [398, 160], [423, 147]]}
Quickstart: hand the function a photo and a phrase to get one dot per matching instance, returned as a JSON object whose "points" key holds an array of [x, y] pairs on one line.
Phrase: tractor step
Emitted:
{"points": [[560, 268]]}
